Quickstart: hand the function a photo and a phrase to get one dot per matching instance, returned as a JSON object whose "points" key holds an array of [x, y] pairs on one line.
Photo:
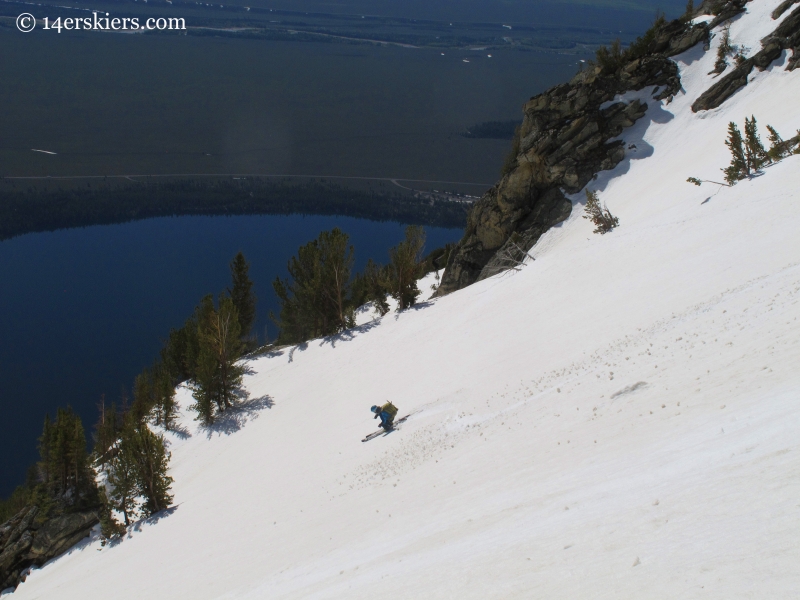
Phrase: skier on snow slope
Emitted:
{"points": [[387, 413]]}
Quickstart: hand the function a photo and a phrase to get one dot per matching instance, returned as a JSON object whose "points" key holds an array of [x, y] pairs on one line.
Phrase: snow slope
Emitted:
{"points": [[619, 419]]}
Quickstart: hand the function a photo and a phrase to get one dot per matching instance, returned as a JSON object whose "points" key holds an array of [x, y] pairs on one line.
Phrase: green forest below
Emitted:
{"points": [[44, 208]]}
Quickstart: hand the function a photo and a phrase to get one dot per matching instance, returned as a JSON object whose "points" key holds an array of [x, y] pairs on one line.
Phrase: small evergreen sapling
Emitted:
{"points": [[778, 149], [599, 213], [755, 153], [724, 50], [739, 167]]}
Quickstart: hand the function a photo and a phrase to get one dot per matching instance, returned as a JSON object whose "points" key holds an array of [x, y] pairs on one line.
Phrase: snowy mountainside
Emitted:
{"points": [[618, 419]]}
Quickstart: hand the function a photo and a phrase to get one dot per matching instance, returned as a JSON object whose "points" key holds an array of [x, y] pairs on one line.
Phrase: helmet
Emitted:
{"points": [[374, 409]]}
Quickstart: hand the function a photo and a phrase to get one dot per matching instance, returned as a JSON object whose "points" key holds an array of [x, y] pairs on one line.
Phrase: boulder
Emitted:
{"points": [[782, 8], [60, 534], [785, 37], [23, 545], [12, 558], [16, 526]]}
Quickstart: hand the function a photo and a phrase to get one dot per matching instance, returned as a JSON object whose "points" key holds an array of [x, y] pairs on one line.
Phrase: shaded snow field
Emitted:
{"points": [[619, 419]]}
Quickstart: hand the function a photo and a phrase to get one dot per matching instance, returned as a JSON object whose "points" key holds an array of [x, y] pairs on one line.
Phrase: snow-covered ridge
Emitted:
{"points": [[618, 419]]}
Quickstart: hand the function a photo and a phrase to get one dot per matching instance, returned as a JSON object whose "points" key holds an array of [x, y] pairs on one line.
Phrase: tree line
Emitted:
{"points": [[129, 456], [748, 154], [321, 295], [27, 208]]}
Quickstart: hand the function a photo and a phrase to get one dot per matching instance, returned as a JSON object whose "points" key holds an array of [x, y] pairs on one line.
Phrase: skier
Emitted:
{"points": [[387, 413]]}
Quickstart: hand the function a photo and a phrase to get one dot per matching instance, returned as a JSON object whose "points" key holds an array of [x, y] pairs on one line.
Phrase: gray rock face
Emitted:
{"points": [[565, 137], [783, 7], [23, 544], [61, 533], [16, 526], [785, 37], [675, 38], [564, 143]]}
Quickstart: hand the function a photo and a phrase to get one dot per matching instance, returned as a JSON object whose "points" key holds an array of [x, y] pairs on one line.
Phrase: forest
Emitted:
{"points": [[36, 208]]}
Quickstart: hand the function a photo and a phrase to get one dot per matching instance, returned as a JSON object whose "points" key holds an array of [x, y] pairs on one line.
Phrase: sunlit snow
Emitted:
{"points": [[619, 419]]}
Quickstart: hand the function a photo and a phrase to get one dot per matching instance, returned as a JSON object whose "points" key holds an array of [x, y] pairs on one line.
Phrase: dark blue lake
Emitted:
{"points": [[84, 310]]}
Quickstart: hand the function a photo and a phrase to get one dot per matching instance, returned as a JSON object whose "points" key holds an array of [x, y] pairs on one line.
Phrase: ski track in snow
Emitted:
{"points": [[618, 419]]}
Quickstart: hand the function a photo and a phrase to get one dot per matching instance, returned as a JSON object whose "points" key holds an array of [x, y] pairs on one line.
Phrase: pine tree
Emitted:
{"points": [[724, 50], [123, 477], [152, 460], [599, 214], [180, 352], [299, 318], [205, 391], [739, 167], [316, 300], [241, 292], [405, 267], [164, 393], [45, 444], [778, 149], [336, 265], [109, 528], [143, 396], [755, 153], [64, 468], [689, 13], [371, 285], [218, 377]]}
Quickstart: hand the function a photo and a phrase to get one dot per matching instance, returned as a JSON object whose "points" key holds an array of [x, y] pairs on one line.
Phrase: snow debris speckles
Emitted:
{"points": [[658, 282]]}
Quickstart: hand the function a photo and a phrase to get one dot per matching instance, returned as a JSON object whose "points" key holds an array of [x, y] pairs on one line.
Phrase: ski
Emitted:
{"points": [[372, 436], [375, 434]]}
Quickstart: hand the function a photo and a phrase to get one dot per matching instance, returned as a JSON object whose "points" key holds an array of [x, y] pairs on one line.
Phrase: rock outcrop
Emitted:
{"points": [[783, 7], [564, 141], [785, 37], [566, 133], [25, 543]]}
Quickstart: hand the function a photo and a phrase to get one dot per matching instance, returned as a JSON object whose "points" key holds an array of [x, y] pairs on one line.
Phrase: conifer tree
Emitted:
{"points": [[405, 267], [300, 318], [336, 262], [154, 396], [204, 393], [689, 13], [755, 153], [106, 431], [64, 468], [164, 392], [180, 352], [778, 149], [241, 292], [109, 528], [218, 377], [152, 459], [143, 396], [598, 213], [45, 443], [316, 300], [739, 167], [371, 285], [139, 470], [123, 477]]}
